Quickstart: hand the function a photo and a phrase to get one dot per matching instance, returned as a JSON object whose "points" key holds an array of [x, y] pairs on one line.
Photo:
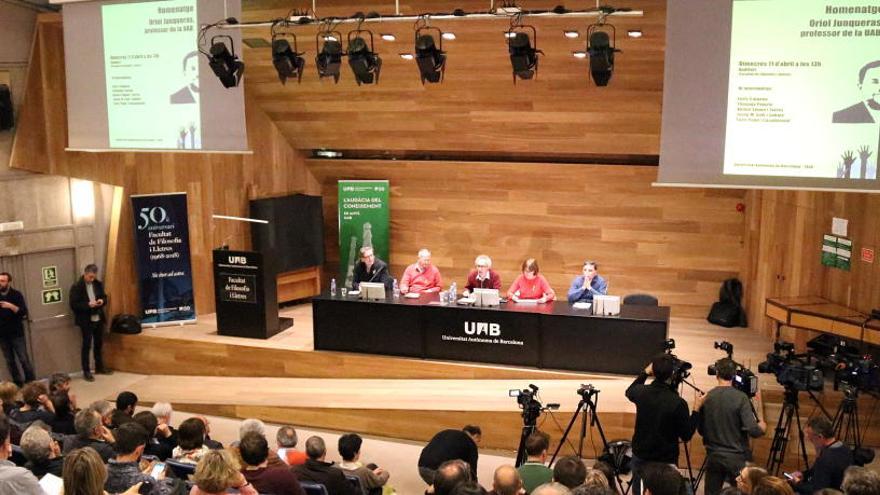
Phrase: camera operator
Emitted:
{"points": [[833, 457], [726, 421], [661, 418]]}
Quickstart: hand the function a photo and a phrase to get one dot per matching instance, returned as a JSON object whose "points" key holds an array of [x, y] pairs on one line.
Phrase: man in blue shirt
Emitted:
{"points": [[587, 285]]}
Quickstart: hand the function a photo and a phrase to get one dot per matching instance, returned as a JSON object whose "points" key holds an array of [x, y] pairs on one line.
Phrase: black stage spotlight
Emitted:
{"points": [[523, 54], [430, 58], [364, 62], [287, 61], [225, 64], [601, 48], [329, 58]]}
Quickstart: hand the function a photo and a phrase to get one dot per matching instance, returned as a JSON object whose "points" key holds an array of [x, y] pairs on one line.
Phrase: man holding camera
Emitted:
{"points": [[661, 417], [726, 421]]}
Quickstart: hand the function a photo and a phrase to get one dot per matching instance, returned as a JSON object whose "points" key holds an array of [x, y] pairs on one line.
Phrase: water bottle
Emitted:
{"points": [[332, 287], [452, 293], [396, 289]]}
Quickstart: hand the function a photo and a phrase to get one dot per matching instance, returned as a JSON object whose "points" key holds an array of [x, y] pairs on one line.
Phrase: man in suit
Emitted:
{"points": [[87, 300], [868, 110], [190, 92], [371, 269]]}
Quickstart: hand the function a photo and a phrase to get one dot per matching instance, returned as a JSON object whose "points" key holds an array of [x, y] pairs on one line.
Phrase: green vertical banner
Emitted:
{"points": [[363, 221]]}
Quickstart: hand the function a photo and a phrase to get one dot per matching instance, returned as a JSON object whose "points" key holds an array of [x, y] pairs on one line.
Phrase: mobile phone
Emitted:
{"points": [[146, 487], [788, 476], [157, 470]]}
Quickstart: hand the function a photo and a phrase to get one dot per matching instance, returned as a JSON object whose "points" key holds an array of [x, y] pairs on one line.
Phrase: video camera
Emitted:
{"points": [[680, 369], [527, 399], [793, 371], [743, 378], [860, 372]]}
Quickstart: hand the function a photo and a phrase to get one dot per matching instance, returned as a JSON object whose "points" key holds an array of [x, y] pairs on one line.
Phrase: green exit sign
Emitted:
{"points": [[52, 296]]}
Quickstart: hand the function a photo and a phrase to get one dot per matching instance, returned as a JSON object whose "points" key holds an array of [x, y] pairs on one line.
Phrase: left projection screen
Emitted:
{"points": [[136, 79]]}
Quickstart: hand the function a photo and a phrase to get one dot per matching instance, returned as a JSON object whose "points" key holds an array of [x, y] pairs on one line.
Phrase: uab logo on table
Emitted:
{"points": [[482, 328]]}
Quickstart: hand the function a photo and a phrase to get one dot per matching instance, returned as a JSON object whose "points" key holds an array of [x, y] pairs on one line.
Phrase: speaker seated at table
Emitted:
{"points": [[372, 290], [486, 297]]}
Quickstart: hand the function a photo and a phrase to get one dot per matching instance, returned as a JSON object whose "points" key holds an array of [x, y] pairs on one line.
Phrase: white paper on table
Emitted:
{"points": [[51, 484]]}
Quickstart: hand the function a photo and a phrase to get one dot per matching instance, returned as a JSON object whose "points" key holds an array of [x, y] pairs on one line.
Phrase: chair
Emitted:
{"points": [[313, 488], [641, 300], [182, 470], [355, 482]]}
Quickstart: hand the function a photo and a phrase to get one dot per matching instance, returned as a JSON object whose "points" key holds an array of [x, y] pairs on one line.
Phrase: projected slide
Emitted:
{"points": [[804, 89], [152, 74]]}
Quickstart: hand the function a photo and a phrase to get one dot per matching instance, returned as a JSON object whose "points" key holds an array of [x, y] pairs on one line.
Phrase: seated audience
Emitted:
{"points": [[749, 477], [124, 470], [36, 407], [585, 286], [371, 269], [421, 276], [157, 444], [190, 441], [59, 383], [450, 475], [125, 405], [832, 460], [14, 480], [287, 440], [448, 445], [596, 477], [662, 479], [41, 451], [469, 488], [482, 276], [316, 470], [90, 432], [608, 471], [552, 488], [531, 285], [859, 480], [254, 426], [254, 450], [507, 481], [533, 471], [771, 485], [65, 414], [570, 471], [84, 474], [371, 476], [163, 412], [105, 409], [594, 489], [10, 396], [209, 442], [217, 472]]}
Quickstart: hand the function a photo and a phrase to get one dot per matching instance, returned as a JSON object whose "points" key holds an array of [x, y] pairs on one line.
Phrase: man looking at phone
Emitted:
{"points": [[832, 460], [125, 471], [87, 300]]}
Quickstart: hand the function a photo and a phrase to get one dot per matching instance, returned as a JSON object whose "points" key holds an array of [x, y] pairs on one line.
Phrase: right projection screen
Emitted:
{"points": [[772, 93]]}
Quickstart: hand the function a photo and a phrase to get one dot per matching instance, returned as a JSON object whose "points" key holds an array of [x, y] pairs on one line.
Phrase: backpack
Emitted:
{"points": [[728, 311], [124, 323]]}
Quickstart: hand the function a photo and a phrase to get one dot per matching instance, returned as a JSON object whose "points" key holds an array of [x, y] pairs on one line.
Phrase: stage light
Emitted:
{"points": [[430, 58], [287, 61], [388, 37], [601, 48], [449, 36], [225, 64], [571, 34], [579, 54], [329, 54], [363, 60], [634, 33], [523, 54], [407, 56]]}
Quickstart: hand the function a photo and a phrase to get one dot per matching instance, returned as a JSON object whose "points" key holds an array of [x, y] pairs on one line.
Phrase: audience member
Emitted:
{"points": [[216, 472], [190, 441], [125, 470], [833, 457], [594, 489], [317, 470], [9, 394], [65, 414], [14, 480], [470, 488], [450, 475], [771, 485], [155, 446], [662, 479], [209, 442], [287, 440], [125, 405], [421, 276], [859, 480], [552, 488], [370, 475], [252, 425], [533, 471], [59, 383], [732, 490], [254, 450], [749, 477], [596, 477], [37, 406], [41, 451], [90, 432], [105, 409], [507, 481], [84, 474], [448, 445], [608, 471], [163, 412], [570, 471]]}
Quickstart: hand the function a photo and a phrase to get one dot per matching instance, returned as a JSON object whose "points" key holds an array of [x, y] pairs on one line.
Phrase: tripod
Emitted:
{"points": [[782, 433], [530, 421], [587, 405], [694, 481], [846, 419]]}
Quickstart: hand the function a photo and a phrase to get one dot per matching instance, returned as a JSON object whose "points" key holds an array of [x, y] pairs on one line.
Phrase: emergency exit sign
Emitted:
{"points": [[52, 296]]}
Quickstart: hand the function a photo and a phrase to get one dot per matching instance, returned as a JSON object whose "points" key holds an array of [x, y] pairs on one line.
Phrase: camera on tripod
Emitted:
{"points": [[857, 372], [743, 378], [586, 391], [680, 368], [793, 371], [527, 399]]}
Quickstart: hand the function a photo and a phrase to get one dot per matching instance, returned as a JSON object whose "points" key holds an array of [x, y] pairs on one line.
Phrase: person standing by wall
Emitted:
{"points": [[87, 300]]}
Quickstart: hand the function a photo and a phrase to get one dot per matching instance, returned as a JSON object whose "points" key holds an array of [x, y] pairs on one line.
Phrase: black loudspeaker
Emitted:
{"points": [[6, 120], [294, 237]]}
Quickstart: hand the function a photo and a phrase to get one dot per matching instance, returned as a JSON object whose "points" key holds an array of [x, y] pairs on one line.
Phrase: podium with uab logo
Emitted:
{"points": [[245, 293]]}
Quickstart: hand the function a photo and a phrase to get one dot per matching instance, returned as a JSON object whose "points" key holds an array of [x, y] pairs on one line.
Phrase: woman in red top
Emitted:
{"points": [[531, 284]]}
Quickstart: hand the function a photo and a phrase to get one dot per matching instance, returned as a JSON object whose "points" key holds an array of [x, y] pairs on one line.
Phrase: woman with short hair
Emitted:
{"points": [[217, 472]]}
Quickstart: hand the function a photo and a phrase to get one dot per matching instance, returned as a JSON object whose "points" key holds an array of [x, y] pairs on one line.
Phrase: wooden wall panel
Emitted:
{"points": [[677, 244]]}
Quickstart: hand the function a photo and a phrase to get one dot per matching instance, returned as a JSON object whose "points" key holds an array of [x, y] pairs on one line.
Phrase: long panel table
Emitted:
{"points": [[552, 335]]}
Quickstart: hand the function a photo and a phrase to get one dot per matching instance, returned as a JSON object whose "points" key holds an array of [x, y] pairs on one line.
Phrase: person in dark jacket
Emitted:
{"points": [[371, 269], [13, 311], [315, 470], [87, 300], [448, 445], [832, 460]]}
